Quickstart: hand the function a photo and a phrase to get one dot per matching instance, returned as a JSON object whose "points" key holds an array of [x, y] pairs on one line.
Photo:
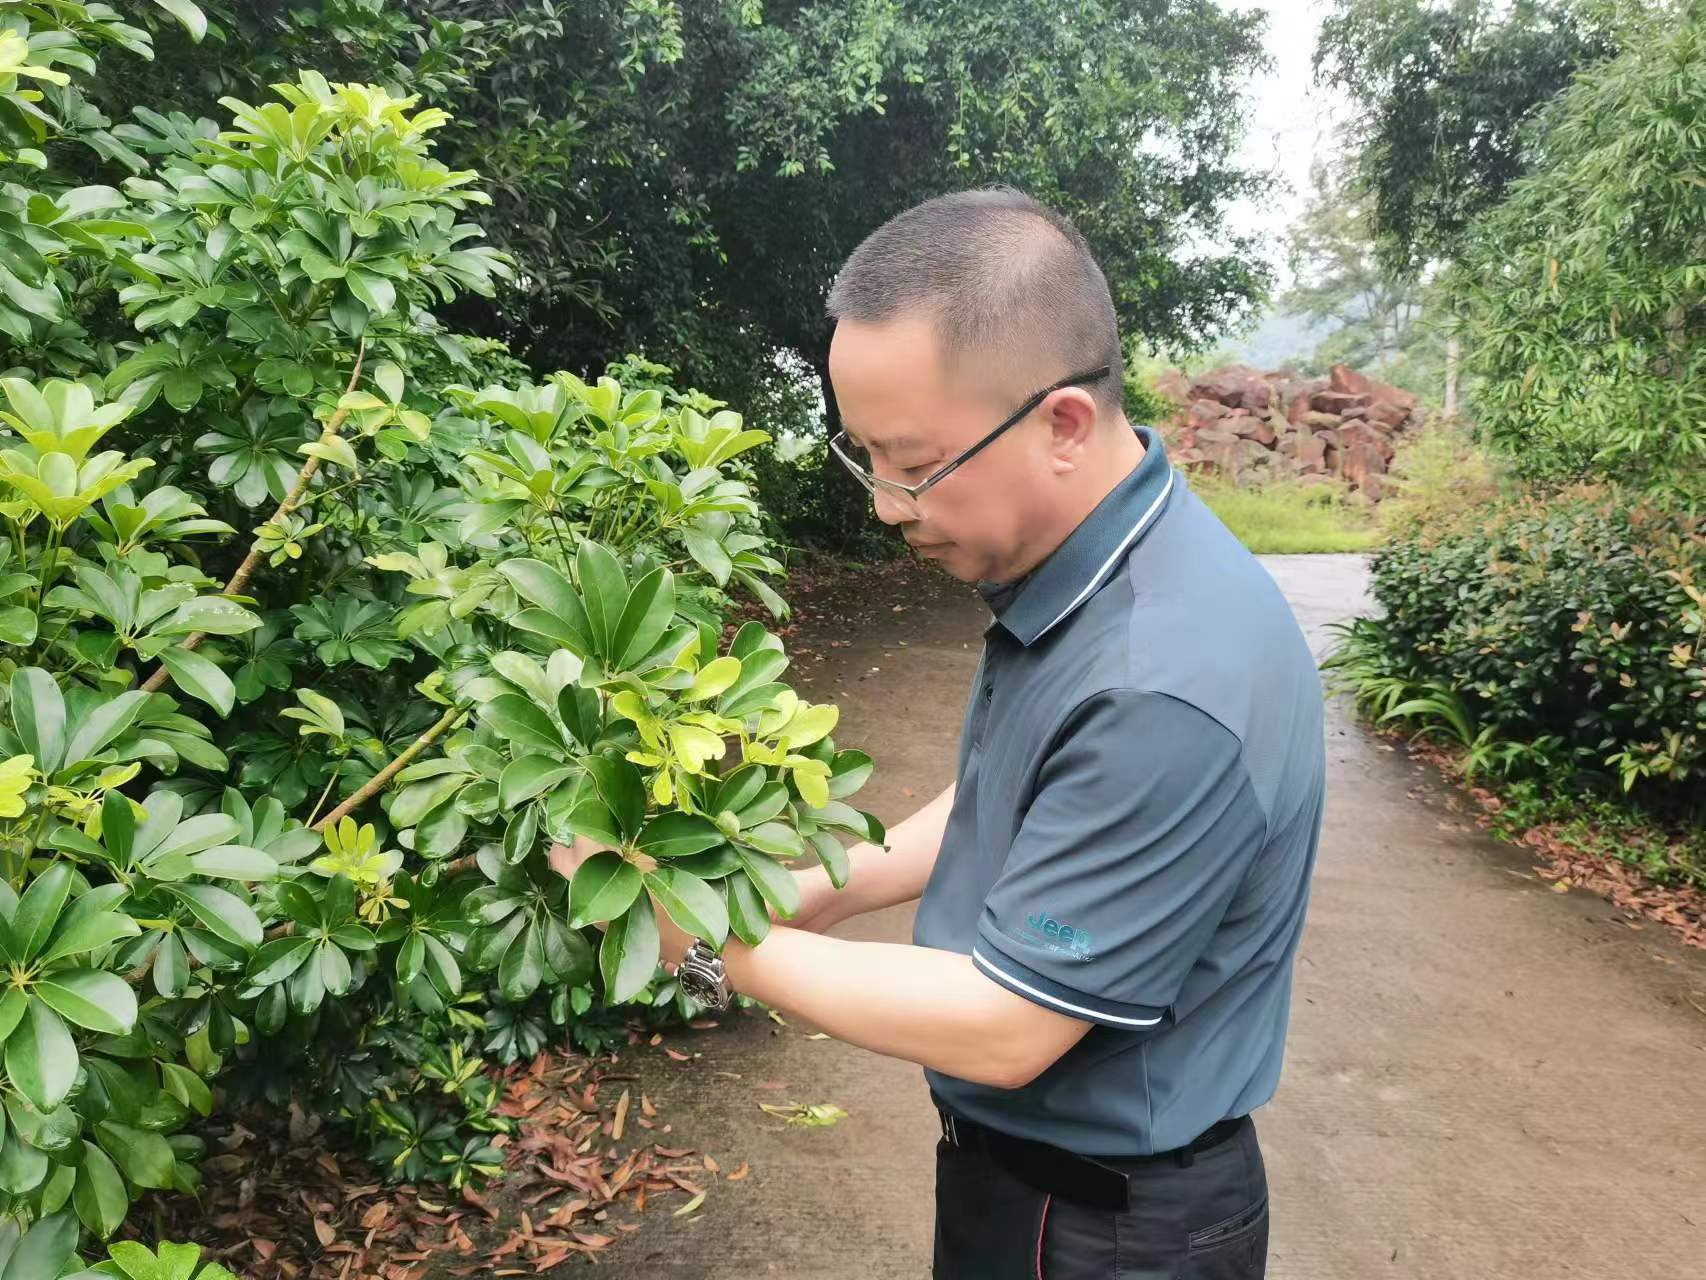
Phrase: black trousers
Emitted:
{"points": [[1206, 1220]]}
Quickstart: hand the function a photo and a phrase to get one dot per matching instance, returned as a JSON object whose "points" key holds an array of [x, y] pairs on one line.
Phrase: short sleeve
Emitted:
{"points": [[1143, 824]]}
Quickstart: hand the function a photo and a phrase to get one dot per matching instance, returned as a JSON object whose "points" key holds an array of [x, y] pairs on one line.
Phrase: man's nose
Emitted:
{"points": [[892, 508]]}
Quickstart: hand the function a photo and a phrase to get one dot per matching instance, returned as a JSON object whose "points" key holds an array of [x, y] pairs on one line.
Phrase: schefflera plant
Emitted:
{"points": [[702, 773]]}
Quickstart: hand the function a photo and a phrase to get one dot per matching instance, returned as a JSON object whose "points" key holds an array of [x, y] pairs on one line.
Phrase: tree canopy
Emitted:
{"points": [[685, 180], [1586, 289], [1441, 91]]}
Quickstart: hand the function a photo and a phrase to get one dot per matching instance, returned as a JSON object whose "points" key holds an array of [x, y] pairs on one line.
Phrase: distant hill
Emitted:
{"points": [[1277, 338]]}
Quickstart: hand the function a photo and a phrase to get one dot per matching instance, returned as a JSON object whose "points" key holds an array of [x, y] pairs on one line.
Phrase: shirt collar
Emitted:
{"points": [[1031, 608]]}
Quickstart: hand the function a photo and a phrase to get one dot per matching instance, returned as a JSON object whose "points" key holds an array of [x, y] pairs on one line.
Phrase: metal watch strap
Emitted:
{"points": [[706, 979]]}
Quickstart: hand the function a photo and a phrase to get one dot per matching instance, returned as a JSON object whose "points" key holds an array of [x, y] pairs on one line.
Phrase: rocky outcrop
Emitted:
{"points": [[1250, 424]]}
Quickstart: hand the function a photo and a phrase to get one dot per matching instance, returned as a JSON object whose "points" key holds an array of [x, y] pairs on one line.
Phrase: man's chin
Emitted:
{"points": [[946, 556]]}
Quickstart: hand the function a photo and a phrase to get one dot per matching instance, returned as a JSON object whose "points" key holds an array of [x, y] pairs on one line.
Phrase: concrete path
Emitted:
{"points": [[1484, 1079]]}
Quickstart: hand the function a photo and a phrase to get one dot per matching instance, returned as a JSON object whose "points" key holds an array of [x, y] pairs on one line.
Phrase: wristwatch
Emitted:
{"points": [[703, 977]]}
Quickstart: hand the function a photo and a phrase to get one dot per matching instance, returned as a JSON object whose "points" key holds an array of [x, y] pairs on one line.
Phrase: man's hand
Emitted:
{"points": [[673, 943], [817, 902]]}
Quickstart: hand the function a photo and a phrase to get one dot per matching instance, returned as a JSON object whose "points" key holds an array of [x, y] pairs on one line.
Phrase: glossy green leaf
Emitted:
{"points": [[771, 800], [740, 788], [224, 913], [234, 862], [200, 678], [38, 716], [187, 1087], [13, 1005], [50, 1131], [832, 855], [604, 591], [603, 887], [441, 967], [441, 832], [521, 835], [847, 818], [540, 584], [102, 726], [749, 917], [849, 771], [276, 960], [622, 789], [90, 998], [523, 965], [44, 1250], [521, 723], [17, 626], [38, 910], [628, 956], [41, 1060], [410, 956], [145, 1158], [528, 777], [22, 1167], [194, 21], [677, 835], [578, 707], [694, 905], [713, 864], [709, 554], [775, 838], [774, 881], [644, 619], [100, 1195]]}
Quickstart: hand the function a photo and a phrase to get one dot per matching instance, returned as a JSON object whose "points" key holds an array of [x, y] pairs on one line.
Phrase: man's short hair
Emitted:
{"points": [[1005, 280]]}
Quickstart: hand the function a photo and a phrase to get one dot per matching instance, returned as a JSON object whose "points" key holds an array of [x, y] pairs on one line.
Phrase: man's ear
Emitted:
{"points": [[1072, 425]]}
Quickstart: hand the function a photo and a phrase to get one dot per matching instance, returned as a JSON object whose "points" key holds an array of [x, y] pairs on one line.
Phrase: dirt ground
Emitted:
{"points": [[1484, 1078]]}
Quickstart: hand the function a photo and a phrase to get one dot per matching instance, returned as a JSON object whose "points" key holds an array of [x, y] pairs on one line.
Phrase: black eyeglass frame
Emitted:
{"points": [[912, 491]]}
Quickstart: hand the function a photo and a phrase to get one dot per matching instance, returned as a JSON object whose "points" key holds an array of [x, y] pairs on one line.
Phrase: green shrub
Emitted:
{"points": [[306, 657], [1436, 475], [1558, 635], [1286, 518], [1144, 405]]}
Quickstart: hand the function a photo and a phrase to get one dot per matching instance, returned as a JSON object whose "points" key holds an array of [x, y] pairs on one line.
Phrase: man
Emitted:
{"points": [[1111, 895]]}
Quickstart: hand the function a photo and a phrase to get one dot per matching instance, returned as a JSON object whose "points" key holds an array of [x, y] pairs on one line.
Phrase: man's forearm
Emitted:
{"points": [[926, 1006], [879, 878]]}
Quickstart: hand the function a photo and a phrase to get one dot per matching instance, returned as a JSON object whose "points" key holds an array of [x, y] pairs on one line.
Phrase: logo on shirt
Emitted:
{"points": [[1045, 931]]}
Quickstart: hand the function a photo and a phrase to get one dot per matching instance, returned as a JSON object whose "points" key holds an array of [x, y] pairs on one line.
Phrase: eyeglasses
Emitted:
{"points": [[858, 460]]}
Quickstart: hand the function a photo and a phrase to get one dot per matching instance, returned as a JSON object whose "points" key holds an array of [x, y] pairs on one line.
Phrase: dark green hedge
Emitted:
{"points": [[1567, 624]]}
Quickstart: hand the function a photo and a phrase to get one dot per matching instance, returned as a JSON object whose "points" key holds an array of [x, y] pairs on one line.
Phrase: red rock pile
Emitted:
{"points": [[1252, 425]]}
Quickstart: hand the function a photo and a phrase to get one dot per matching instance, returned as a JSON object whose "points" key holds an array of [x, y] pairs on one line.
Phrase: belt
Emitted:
{"points": [[1056, 1171]]}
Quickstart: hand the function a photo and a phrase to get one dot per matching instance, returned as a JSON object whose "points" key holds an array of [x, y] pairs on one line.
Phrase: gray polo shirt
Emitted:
{"points": [[1141, 775]]}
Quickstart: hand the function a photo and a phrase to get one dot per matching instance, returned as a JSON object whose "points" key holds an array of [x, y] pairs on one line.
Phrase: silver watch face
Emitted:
{"points": [[700, 978]]}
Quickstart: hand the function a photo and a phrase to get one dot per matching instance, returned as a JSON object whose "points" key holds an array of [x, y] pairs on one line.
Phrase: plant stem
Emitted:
{"points": [[292, 500], [330, 783], [449, 720]]}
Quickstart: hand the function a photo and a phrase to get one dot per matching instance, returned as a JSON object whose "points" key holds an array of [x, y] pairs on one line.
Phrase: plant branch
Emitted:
{"points": [[374, 785], [292, 500]]}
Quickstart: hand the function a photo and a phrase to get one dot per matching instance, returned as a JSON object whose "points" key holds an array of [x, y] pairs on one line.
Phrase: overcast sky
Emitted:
{"points": [[1291, 120]]}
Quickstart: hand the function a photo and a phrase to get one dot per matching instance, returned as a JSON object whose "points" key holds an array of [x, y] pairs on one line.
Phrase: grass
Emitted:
{"points": [[1288, 519]]}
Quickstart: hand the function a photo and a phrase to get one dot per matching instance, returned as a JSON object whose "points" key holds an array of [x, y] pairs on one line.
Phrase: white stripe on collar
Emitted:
{"points": [[1101, 574]]}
